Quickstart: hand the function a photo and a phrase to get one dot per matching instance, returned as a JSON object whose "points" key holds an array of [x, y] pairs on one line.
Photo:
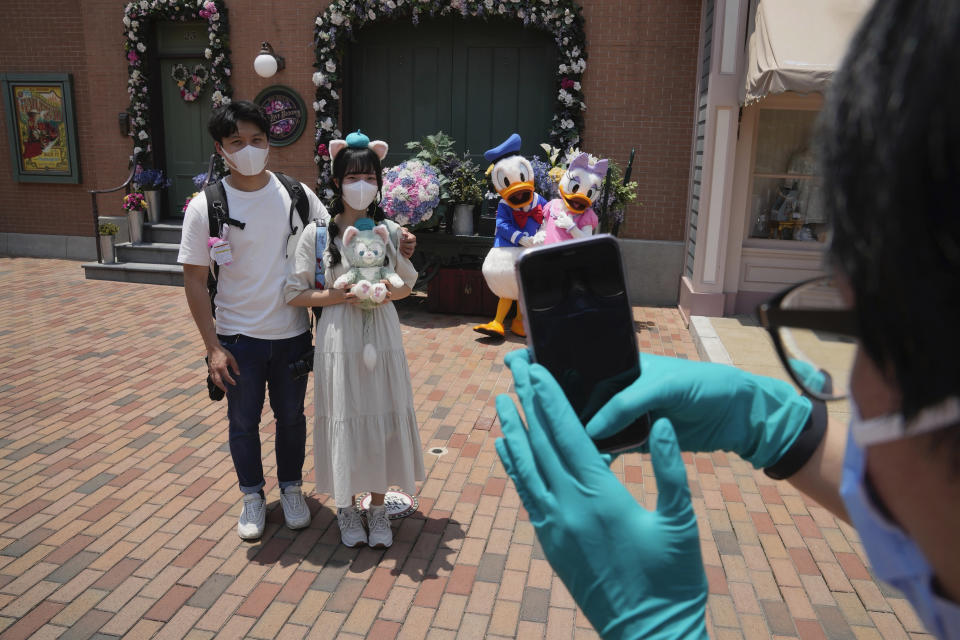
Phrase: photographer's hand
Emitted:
{"points": [[220, 363], [713, 407], [635, 573]]}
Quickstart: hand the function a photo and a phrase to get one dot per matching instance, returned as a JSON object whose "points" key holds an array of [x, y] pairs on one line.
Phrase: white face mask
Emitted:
{"points": [[359, 194], [249, 161]]}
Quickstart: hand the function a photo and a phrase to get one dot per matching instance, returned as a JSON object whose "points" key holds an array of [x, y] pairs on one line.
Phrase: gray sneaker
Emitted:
{"points": [[352, 532], [253, 518], [295, 510], [381, 535]]}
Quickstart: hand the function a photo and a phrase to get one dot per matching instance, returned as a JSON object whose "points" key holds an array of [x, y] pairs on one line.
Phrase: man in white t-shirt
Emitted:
{"points": [[256, 335]]}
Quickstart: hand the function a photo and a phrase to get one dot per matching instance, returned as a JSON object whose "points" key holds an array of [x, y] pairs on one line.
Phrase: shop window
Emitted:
{"points": [[786, 201]]}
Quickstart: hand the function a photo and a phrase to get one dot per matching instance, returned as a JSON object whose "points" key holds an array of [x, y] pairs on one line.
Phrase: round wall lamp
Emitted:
{"points": [[267, 63]]}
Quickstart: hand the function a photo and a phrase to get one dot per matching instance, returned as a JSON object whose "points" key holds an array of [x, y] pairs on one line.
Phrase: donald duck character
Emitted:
{"points": [[519, 216], [572, 215]]}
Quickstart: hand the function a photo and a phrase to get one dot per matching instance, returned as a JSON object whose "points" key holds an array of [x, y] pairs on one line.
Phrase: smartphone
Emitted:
{"points": [[580, 326]]}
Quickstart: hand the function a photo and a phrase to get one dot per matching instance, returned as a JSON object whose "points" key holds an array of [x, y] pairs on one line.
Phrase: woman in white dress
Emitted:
{"points": [[365, 434]]}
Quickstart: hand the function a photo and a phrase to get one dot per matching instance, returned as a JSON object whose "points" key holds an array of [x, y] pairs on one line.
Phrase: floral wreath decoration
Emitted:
{"points": [[191, 83], [335, 27], [136, 21]]}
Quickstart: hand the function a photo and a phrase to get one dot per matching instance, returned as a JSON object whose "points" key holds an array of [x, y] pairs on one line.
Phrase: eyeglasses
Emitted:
{"points": [[815, 334]]}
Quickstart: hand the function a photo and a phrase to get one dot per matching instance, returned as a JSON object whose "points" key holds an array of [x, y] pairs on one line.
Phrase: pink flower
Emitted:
{"points": [[132, 56], [566, 83], [322, 150]]}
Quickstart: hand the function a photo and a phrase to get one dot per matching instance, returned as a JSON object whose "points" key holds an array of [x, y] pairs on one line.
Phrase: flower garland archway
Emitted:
{"points": [[136, 20], [336, 25]]}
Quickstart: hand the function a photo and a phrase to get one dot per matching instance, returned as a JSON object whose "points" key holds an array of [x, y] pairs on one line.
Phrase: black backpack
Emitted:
{"points": [[218, 214]]}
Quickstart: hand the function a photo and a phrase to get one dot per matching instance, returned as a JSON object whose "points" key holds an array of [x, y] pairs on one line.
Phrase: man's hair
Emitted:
{"points": [[223, 121], [889, 146]]}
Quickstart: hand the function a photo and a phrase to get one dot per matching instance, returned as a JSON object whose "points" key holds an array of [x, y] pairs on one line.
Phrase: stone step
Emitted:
{"points": [[139, 272], [164, 231], [148, 252]]}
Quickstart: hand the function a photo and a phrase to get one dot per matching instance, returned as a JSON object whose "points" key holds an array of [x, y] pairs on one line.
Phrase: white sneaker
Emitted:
{"points": [[381, 535], [254, 517], [352, 532], [295, 510]]}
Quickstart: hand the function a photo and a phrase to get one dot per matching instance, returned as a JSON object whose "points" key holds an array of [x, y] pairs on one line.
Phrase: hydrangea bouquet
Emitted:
{"points": [[411, 192]]}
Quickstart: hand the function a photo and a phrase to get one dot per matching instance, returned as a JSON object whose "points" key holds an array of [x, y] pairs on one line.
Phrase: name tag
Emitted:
{"points": [[220, 252]]}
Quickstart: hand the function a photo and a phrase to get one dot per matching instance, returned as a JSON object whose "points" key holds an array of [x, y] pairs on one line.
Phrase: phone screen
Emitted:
{"points": [[580, 326]]}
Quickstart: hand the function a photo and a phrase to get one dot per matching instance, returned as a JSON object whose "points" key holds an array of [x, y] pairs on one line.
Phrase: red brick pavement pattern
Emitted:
{"points": [[118, 502]]}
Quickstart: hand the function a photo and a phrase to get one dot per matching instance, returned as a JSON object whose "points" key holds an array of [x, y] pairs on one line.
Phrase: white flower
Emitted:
{"points": [[135, 75], [143, 135], [131, 36], [316, 106], [337, 133], [488, 4], [568, 20], [328, 193], [371, 14], [215, 16], [327, 124], [135, 24], [207, 53], [336, 18], [144, 5], [141, 47], [575, 52], [316, 159], [330, 66], [576, 86], [501, 9], [225, 100], [137, 150], [140, 121], [562, 68], [333, 94], [217, 96], [126, 21], [318, 22], [319, 79], [323, 105]]}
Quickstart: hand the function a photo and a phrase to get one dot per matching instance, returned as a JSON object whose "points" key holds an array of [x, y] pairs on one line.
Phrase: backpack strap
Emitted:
{"points": [[298, 199], [321, 248]]}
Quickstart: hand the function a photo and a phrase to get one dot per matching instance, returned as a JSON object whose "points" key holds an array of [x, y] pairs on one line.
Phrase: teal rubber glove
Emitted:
{"points": [[634, 573], [712, 407]]}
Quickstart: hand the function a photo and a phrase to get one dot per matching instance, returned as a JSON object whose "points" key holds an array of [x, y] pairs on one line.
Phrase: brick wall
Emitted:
{"points": [[639, 84]]}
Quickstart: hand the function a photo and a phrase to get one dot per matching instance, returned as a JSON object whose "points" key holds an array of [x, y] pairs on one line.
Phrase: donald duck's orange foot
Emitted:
{"points": [[493, 329], [517, 327]]}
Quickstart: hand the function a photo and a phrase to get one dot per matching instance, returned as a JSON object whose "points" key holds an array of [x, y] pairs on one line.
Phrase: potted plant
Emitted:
{"points": [[150, 182], [135, 204], [411, 193], [465, 187], [108, 235], [437, 151]]}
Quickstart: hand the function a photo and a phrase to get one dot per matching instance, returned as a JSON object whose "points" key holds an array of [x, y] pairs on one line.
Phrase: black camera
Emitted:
{"points": [[302, 366], [216, 393]]}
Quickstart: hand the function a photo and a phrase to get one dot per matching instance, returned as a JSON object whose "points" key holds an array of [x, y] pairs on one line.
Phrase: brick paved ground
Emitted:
{"points": [[118, 503]]}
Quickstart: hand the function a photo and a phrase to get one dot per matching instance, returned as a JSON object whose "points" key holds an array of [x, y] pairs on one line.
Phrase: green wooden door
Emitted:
{"points": [[477, 81], [186, 144]]}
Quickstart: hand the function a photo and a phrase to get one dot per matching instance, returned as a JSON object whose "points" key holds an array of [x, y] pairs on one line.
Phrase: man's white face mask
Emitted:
{"points": [[248, 161]]}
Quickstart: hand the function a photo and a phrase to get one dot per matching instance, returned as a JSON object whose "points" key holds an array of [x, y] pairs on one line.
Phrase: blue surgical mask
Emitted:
{"points": [[895, 558]]}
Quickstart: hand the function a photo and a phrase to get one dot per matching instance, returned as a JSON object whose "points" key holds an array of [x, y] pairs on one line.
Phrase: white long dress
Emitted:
{"points": [[365, 434]]}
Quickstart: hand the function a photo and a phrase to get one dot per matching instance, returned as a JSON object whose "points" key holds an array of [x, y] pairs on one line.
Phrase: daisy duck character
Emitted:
{"points": [[519, 217], [572, 215]]}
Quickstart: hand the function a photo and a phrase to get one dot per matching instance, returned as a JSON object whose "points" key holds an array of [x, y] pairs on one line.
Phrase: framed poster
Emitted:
{"points": [[285, 111], [41, 126]]}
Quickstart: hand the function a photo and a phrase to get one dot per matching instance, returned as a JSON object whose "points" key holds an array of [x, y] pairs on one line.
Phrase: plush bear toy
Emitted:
{"points": [[571, 215], [365, 250], [519, 216]]}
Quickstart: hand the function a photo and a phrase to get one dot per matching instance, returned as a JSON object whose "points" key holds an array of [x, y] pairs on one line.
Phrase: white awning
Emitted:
{"points": [[797, 45]]}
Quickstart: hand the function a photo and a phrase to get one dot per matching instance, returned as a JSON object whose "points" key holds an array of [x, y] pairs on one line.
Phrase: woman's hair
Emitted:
{"points": [[350, 161], [890, 154]]}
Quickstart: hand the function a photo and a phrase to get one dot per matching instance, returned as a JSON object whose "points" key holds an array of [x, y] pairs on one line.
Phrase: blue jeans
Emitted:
{"points": [[264, 364]]}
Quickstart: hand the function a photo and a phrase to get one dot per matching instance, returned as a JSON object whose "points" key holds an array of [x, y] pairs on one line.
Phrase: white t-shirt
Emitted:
{"points": [[250, 289]]}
